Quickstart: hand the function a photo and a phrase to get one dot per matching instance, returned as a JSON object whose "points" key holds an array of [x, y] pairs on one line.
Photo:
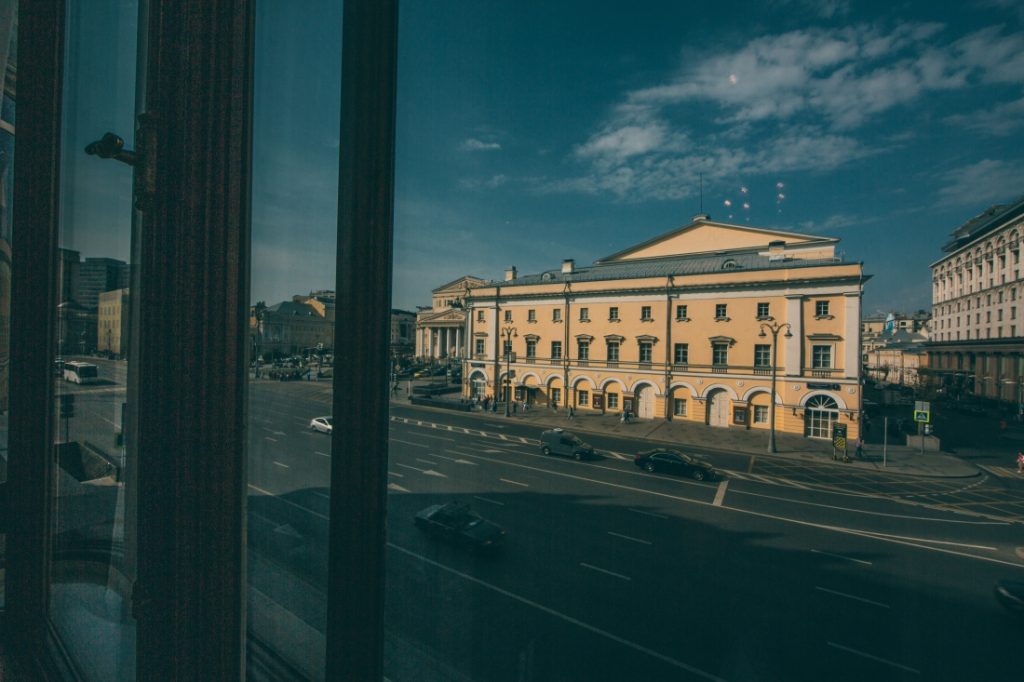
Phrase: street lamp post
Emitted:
{"points": [[774, 328], [509, 333]]}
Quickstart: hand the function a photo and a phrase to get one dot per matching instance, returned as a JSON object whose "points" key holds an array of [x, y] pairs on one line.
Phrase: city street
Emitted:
{"points": [[613, 573]]}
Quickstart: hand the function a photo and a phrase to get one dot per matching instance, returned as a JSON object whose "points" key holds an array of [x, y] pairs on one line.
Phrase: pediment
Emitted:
{"points": [[704, 236]]}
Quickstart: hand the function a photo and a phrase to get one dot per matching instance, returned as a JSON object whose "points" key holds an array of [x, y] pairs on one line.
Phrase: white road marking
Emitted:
{"points": [[408, 442], [320, 494], [874, 658], [272, 440], [487, 499], [431, 472], [558, 614], [427, 435], [851, 596], [647, 513], [505, 480], [281, 465], [279, 433], [720, 493], [426, 461], [396, 487], [409, 466], [289, 502], [840, 556], [395, 473], [626, 537], [322, 454], [928, 540], [606, 572]]}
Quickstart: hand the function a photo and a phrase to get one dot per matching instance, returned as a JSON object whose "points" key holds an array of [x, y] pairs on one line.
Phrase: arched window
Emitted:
{"points": [[820, 413]]}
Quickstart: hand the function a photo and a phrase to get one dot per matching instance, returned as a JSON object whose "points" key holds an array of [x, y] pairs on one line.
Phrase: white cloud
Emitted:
{"points": [[486, 183], [474, 145], [1003, 119], [982, 182]]}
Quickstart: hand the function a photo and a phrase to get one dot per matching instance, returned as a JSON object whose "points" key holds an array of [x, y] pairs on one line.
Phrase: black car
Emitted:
{"points": [[459, 524], [1010, 594], [675, 462]]}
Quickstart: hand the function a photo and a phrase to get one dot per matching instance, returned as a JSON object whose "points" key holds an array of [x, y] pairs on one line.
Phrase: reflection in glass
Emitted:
{"points": [[291, 333], [93, 509]]}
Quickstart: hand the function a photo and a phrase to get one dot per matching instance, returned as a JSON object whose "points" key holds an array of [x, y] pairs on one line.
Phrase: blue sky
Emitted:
{"points": [[530, 131]]}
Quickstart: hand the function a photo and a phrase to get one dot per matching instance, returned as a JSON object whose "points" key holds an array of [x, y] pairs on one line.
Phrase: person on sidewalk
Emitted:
{"points": [[1020, 462], [572, 412], [859, 452]]}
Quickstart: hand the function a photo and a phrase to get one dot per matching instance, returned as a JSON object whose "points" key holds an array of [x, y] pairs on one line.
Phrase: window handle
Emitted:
{"points": [[111, 146], [143, 159]]}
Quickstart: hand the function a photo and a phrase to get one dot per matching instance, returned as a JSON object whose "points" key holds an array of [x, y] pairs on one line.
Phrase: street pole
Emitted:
{"points": [[508, 333], [774, 328]]}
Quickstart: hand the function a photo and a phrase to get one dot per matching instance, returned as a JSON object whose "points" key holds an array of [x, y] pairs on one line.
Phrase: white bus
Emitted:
{"points": [[81, 372]]}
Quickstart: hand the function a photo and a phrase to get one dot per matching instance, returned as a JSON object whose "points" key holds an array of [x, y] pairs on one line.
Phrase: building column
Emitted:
{"points": [[794, 346], [851, 336]]}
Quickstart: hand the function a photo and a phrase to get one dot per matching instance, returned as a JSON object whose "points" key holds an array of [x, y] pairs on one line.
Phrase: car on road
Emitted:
{"points": [[455, 522], [675, 462], [321, 424], [1010, 594], [565, 443]]}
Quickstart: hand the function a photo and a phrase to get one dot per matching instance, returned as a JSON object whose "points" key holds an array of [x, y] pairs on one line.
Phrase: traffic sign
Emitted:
{"points": [[922, 415], [839, 436]]}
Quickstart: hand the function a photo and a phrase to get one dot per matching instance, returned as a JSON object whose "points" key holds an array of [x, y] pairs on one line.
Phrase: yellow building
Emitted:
{"points": [[112, 322], [440, 328], [681, 327]]}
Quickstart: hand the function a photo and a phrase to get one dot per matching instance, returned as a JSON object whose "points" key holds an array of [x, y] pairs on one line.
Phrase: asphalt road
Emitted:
{"points": [[613, 573]]}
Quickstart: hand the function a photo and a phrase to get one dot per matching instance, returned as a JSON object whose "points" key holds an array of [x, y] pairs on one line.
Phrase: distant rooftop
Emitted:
{"points": [[986, 221]]}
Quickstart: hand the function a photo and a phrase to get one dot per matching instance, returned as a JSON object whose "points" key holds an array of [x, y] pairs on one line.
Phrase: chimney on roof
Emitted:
{"points": [[510, 273], [568, 266], [776, 249], [701, 216]]}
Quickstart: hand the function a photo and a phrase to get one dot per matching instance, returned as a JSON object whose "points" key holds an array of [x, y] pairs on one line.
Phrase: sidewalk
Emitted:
{"points": [[900, 459]]}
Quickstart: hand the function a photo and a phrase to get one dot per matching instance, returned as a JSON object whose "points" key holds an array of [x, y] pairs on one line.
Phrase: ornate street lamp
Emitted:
{"points": [[774, 328], [509, 333]]}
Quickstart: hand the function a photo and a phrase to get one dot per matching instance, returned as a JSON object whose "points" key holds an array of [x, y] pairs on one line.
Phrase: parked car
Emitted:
{"points": [[565, 443], [321, 424], [455, 522], [675, 462]]}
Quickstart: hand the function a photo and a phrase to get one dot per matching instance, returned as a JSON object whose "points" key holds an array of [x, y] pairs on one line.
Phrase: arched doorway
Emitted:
{"points": [[645, 402], [718, 408], [820, 413]]}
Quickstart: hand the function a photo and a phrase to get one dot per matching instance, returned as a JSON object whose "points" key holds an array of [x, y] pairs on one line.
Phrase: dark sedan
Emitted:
{"points": [[675, 462], [459, 524]]}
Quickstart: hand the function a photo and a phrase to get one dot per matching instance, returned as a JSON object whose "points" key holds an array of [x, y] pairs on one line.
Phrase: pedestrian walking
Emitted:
{"points": [[1020, 462], [572, 412], [622, 417], [859, 452], [515, 407]]}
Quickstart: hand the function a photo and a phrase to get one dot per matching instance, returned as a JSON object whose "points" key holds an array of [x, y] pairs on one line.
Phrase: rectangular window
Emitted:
{"points": [[584, 314], [478, 347], [613, 313], [762, 310], [821, 356], [646, 350], [988, 316], [999, 297], [506, 347], [760, 414], [479, 316], [681, 353], [531, 315], [583, 349], [531, 348], [999, 315], [613, 351], [681, 312], [720, 354], [556, 315], [582, 398], [645, 312], [821, 308], [720, 310], [556, 350], [679, 407], [762, 355], [556, 395], [1013, 312], [613, 401], [508, 315]]}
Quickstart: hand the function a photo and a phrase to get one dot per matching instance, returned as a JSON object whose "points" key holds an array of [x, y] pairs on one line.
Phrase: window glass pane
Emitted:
{"points": [[94, 499], [291, 327]]}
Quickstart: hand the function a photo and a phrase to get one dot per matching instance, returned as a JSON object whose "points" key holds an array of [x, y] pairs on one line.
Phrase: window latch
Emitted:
{"points": [[143, 159]]}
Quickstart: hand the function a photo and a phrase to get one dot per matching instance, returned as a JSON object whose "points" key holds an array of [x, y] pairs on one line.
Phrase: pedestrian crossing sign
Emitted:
{"points": [[922, 416]]}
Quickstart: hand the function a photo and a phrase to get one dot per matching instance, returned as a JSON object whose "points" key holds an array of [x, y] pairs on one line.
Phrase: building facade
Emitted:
{"points": [[440, 329], [403, 334], [977, 347], [681, 326], [112, 322], [289, 327]]}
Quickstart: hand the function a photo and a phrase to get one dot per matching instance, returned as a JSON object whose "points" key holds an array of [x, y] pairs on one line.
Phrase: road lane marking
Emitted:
{"points": [[840, 556], [453, 459], [272, 440], [322, 454], [427, 435], [408, 442], [647, 513], [489, 500], [505, 480], [289, 502], [320, 494], [935, 542], [626, 537], [720, 493], [851, 596], [395, 473], [426, 461], [281, 465], [875, 658], [398, 488], [431, 472], [562, 616], [409, 466], [606, 572]]}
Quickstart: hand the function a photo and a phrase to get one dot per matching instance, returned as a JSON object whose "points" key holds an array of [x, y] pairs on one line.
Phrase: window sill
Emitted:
{"points": [[614, 319], [824, 317], [584, 319], [765, 318], [647, 319], [722, 319], [682, 319]]}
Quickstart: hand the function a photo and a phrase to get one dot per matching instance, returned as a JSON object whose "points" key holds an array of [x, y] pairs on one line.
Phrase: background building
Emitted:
{"points": [[288, 328], [440, 329], [112, 322], [679, 327], [977, 291], [403, 334], [96, 275]]}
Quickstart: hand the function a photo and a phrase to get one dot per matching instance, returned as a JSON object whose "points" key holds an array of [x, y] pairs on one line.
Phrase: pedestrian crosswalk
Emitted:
{"points": [[1001, 472]]}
